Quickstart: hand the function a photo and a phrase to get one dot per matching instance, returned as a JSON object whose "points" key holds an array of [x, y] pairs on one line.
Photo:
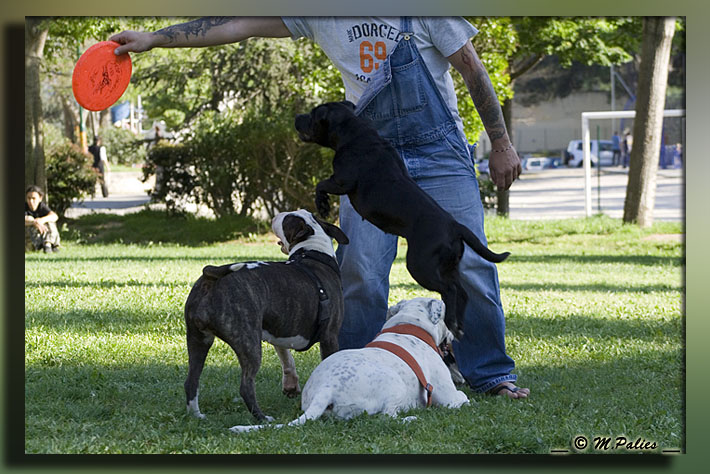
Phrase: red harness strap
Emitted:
{"points": [[412, 330]]}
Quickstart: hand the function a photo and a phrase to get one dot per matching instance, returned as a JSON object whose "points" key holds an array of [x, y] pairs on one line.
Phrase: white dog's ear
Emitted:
{"points": [[392, 310], [436, 310]]}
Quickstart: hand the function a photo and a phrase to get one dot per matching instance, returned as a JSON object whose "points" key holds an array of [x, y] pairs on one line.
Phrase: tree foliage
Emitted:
{"points": [[238, 103], [234, 104], [257, 75]]}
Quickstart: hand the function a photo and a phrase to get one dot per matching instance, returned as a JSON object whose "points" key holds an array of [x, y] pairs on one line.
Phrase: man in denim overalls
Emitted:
{"points": [[396, 71]]}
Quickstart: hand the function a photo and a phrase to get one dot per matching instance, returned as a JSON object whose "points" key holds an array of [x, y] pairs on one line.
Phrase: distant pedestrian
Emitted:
{"points": [[616, 148], [159, 169], [100, 163], [626, 145], [663, 158], [40, 222], [678, 156]]}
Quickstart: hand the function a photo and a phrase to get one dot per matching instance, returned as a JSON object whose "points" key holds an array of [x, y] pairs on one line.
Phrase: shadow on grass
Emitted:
{"points": [[109, 284], [130, 407], [581, 288], [646, 260], [133, 321], [598, 328], [94, 392], [121, 322], [147, 259], [592, 288], [149, 226]]}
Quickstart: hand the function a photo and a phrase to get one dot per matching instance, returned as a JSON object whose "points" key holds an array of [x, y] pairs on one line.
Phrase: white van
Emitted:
{"points": [[574, 156]]}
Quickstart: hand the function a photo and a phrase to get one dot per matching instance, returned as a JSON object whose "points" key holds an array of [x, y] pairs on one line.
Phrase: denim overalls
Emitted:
{"points": [[407, 109]]}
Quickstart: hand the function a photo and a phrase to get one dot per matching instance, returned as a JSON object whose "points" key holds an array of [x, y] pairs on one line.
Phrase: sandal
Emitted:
{"points": [[502, 386]]}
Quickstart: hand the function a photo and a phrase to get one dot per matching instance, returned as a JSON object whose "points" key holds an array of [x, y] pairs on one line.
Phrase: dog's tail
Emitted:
{"points": [[315, 409], [476, 244], [215, 273], [246, 428]]}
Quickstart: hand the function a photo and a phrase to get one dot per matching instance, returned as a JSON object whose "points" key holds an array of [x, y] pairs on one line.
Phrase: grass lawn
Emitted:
{"points": [[594, 322]]}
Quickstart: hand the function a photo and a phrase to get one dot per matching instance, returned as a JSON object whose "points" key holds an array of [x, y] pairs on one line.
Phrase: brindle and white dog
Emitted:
{"points": [[290, 304]]}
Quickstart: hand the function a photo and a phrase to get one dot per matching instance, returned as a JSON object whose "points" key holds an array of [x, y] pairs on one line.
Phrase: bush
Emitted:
{"points": [[249, 166], [175, 177], [122, 146], [69, 175], [257, 164]]}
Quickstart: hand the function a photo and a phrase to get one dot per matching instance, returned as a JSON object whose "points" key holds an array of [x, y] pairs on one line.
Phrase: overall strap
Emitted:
{"points": [[405, 26]]}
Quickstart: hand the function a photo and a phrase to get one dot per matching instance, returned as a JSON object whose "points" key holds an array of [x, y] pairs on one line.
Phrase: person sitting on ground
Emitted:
{"points": [[40, 222]]}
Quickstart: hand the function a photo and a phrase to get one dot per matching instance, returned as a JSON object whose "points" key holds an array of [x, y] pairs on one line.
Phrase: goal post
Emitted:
{"points": [[586, 144]]}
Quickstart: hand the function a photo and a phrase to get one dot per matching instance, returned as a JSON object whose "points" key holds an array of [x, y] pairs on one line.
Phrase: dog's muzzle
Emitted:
{"points": [[303, 125]]}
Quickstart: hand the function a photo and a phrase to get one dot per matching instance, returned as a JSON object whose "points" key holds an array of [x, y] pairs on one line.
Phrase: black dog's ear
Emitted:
{"points": [[295, 229], [320, 114], [349, 104], [334, 231]]}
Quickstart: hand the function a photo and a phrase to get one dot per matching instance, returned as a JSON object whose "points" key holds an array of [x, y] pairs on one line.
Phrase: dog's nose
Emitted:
{"points": [[301, 122]]}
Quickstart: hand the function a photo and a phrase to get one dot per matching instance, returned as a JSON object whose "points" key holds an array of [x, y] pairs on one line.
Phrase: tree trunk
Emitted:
{"points": [[35, 37], [648, 124], [71, 119], [502, 195]]}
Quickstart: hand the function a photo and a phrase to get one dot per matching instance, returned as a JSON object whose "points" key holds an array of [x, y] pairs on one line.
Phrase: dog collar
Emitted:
{"points": [[416, 331], [321, 257]]}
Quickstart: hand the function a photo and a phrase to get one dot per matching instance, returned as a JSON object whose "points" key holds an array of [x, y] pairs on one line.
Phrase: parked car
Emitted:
{"points": [[537, 163], [604, 149]]}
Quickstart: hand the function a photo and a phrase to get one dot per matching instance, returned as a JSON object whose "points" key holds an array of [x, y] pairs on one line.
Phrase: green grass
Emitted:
{"points": [[594, 322]]}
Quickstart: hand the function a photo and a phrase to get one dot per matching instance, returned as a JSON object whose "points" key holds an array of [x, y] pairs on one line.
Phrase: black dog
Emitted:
{"points": [[370, 171]]}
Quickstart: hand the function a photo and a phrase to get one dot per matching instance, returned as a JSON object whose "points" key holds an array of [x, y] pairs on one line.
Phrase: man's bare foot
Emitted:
{"points": [[510, 390]]}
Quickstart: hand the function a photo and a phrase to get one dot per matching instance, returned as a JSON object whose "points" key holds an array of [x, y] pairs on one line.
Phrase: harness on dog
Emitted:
{"points": [[323, 300], [411, 330]]}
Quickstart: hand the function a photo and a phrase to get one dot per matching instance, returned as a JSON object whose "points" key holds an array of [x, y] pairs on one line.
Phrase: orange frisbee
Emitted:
{"points": [[100, 77]]}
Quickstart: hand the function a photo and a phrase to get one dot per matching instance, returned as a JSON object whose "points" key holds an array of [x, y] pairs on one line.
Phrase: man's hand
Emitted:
{"points": [[504, 166], [133, 41]]}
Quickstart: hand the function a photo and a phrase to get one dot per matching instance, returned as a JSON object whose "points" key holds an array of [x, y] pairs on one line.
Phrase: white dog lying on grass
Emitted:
{"points": [[375, 380]]}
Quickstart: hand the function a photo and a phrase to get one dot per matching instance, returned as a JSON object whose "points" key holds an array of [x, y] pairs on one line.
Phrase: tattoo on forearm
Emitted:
{"points": [[193, 28], [483, 95]]}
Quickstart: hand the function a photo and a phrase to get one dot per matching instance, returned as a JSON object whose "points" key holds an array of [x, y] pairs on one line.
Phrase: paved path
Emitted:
{"points": [[547, 194], [126, 194], [559, 194]]}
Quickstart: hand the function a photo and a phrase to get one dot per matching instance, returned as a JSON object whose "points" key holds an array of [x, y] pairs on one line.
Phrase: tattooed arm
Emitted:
{"points": [[504, 163], [207, 31]]}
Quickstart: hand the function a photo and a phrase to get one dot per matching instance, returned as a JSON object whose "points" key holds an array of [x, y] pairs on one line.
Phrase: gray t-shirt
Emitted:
{"points": [[357, 46]]}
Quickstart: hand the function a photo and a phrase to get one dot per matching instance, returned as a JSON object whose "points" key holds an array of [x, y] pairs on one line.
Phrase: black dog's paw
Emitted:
{"points": [[323, 204], [457, 332], [453, 326]]}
